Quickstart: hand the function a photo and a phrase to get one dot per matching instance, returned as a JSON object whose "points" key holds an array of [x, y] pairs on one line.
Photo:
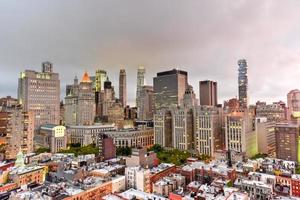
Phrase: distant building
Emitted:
{"points": [[169, 88], [243, 83], [293, 102], [115, 115], [39, 92], [130, 113], [287, 141], [240, 132], [52, 136], [146, 103], [139, 85], [208, 93], [231, 105], [80, 102], [122, 88], [265, 131]]}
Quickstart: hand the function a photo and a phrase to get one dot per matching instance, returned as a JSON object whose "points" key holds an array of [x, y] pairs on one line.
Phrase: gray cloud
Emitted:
{"points": [[206, 38]]}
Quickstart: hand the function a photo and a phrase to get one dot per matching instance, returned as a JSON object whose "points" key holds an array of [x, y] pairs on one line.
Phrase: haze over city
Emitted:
{"points": [[204, 38]]}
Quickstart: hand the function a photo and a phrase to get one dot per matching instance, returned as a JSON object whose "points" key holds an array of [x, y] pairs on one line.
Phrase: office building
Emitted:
{"points": [[169, 88], [139, 137], [182, 128], [207, 130], [287, 141], [52, 136], [86, 135], [273, 112], [122, 88], [293, 102], [163, 128], [39, 92], [107, 148], [189, 97], [208, 93], [139, 85], [146, 103], [80, 102], [240, 135], [265, 131], [243, 83]]}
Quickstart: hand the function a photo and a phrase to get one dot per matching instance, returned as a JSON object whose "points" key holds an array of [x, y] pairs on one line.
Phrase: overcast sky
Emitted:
{"points": [[205, 38]]}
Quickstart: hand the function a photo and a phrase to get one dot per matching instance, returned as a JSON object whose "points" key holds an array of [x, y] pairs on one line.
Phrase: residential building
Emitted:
{"points": [[137, 178]]}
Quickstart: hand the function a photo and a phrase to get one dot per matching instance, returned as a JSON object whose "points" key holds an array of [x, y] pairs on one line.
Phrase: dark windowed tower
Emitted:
{"points": [[243, 83]]}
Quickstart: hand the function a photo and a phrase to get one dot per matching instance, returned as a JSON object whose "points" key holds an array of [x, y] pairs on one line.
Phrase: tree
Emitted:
{"points": [[42, 150]]}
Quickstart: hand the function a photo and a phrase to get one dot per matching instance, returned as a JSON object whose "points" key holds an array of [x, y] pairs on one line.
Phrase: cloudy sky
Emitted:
{"points": [[205, 38]]}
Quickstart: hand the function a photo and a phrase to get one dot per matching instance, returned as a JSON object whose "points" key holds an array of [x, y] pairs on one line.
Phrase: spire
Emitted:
{"points": [[86, 78]]}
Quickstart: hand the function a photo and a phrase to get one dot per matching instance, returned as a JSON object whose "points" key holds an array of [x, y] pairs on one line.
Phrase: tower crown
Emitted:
{"points": [[86, 78]]}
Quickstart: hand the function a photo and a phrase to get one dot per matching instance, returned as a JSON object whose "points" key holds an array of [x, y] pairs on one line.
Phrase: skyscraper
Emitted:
{"points": [[293, 102], [140, 83], [80, 102], [122, 87], [243, 83], [147, 103], [169, 88], [208, 93], [39, 92]]}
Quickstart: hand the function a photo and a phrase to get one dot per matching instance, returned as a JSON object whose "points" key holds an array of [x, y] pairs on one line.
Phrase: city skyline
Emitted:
{"points": [[260, 33]]}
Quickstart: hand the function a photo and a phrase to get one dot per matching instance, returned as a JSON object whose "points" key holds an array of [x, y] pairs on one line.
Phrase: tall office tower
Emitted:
{"points": [[122, 88], [80, 102], [17, 130], [208, 93], [293, 102], [107, 98], [265, 131], [207, 129], [140, 83], [163, 128], [169, 88], [240, 135], [243, 83], [39, 92], [189, 97], [287, 141], [99, 79], [182, 128], [147, 103]]}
